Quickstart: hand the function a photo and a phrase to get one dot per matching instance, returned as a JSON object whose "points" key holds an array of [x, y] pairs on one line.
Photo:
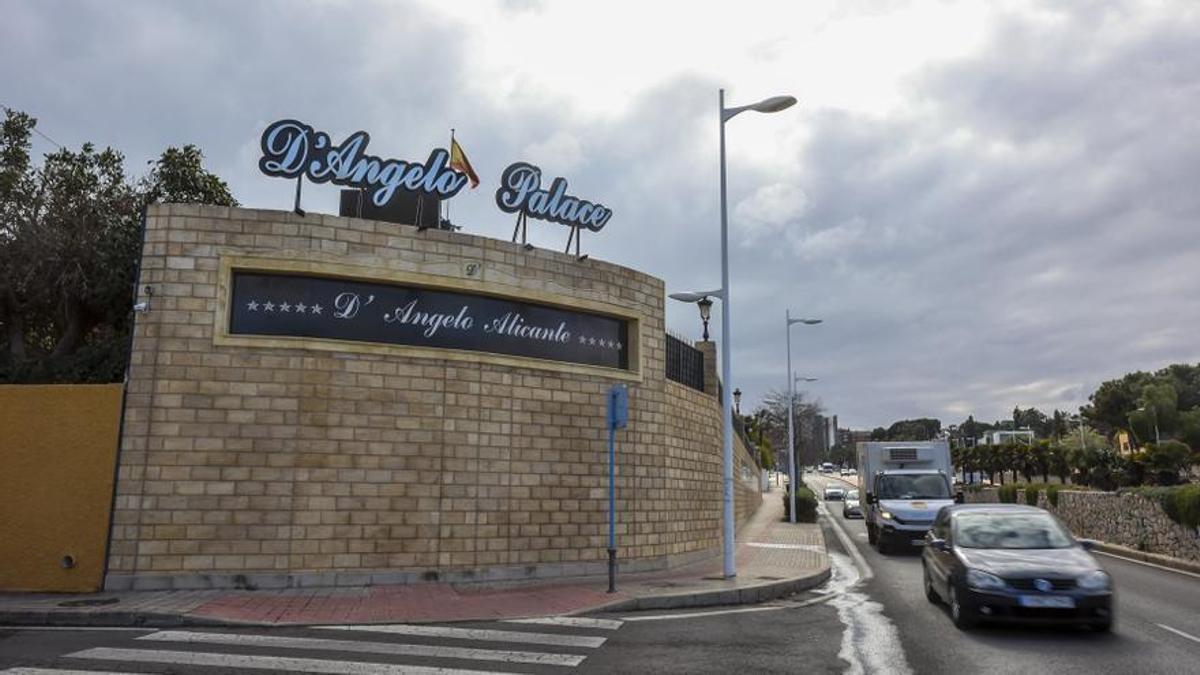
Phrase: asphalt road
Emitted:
{"points": [[1157, 629]]}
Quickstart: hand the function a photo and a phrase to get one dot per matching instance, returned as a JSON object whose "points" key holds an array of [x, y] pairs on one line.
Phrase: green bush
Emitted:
{"points": [[1181, 502], [1031, 494], [806, 506], [1008, 493], [1052, 494]]}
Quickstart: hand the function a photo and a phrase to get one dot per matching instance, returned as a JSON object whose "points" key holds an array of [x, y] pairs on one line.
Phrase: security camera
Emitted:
{"points": [[141, 307]]}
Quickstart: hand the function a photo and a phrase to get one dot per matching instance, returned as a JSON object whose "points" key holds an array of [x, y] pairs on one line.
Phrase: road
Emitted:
{"points": [[872, 617], [1157, 631]]}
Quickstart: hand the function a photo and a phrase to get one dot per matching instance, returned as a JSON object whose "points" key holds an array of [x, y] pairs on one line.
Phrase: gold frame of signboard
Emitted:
{"points": [[435, 279]]}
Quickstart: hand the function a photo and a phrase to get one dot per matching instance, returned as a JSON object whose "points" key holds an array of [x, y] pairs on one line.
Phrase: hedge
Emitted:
{"points": [[1031, 494], [1008, 493], [1052, 494], [806, 506], [1180, 502]]}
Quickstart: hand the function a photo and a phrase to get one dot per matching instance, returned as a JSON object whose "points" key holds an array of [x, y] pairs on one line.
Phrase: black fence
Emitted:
{"points": [[685, 363]]}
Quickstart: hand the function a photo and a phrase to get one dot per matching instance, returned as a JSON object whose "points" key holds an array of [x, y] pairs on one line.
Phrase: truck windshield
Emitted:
{"points": [[913, 486]]}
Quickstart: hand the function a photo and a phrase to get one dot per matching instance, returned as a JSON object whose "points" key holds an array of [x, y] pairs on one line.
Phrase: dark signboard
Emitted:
{"points": [[277, 304]]}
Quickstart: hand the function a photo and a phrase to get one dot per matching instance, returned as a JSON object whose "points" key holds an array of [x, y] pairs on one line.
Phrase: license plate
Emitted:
{"points": [[917, 542], [1050, 601]]}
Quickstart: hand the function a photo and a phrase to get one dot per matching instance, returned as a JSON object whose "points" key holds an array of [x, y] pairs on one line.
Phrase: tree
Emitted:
{"points": [[178, 177], [1165, 461], [69, 244], [772, 415]]}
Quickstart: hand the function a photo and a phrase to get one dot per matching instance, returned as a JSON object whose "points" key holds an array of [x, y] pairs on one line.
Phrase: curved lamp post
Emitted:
{"points": [[768, 105]]}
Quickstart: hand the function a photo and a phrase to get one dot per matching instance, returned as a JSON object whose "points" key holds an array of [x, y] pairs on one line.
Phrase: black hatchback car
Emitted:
{"points": [[1004, 562]]}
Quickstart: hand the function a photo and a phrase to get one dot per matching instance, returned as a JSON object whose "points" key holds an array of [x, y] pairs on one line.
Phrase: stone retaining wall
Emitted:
{"points": [[1126, 520]]}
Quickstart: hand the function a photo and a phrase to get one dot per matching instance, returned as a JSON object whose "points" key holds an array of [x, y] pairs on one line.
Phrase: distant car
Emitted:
{"points": [[1013, 563], [844, 472], [834, 494], [851, 472], [851, 507]]}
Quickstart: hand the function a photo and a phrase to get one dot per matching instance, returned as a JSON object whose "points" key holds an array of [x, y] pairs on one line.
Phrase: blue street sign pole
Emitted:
{"points": [[612, 502], [617, 418]]}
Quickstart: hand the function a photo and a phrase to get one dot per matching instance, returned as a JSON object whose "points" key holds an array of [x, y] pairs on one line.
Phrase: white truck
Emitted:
{"points": [[903, 485]]}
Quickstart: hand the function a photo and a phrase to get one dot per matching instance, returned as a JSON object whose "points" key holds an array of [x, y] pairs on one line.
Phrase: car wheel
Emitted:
{"points": [[964, 619], [930, 594], [882, 544], [1103, 627]]}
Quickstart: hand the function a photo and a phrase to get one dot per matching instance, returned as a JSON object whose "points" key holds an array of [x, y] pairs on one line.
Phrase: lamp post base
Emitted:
{"points": [[612, 570]]}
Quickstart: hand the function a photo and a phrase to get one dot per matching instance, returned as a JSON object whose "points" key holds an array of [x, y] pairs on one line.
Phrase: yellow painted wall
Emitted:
{"points": [[58, 446]]}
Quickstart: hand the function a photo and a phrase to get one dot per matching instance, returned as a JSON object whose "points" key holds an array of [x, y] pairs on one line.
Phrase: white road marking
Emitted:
{"points": [[794, 547], [1147, 564], [558, 640], [720, 612], [1178, 632], [356, 646], [572, 621], [870, 642], [264, 662], [864, 569]]}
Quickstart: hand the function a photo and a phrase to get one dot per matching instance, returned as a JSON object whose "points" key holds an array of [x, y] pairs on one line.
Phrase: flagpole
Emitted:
{"points": [[451, 156]]}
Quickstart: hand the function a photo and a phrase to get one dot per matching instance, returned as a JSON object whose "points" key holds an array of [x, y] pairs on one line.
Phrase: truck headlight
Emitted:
{"points": [[886, 515], [1093, 581], [984, 581]]}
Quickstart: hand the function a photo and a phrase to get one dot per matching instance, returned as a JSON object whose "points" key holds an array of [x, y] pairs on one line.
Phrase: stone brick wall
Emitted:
{"points": [[1126, 520], [266, 466]]}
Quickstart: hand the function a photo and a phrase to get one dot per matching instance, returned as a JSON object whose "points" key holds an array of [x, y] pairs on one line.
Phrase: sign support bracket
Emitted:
{"points": [[296, 208]]}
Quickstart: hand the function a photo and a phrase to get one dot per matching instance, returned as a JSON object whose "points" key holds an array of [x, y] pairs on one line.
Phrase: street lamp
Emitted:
{"points": [[769, 105], [791, 411], [705, 306], [737, 400]]}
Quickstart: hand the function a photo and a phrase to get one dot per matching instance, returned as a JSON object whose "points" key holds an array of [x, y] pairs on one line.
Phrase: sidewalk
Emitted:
{"points": [[774, 559]]}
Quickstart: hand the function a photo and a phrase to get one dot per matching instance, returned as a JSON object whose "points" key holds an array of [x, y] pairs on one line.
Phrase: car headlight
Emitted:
{"points": [[984, 581], [886, 515], [1093, 581]]}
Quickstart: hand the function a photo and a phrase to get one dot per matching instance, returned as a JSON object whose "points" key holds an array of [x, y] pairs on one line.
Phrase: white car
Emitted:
{"points": [[851, 506], [834, 494]]}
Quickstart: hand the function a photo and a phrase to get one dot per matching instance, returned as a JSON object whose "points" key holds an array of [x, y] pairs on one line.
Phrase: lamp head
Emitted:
{"points": [[705, 304], [773, 104], [737, 396]]}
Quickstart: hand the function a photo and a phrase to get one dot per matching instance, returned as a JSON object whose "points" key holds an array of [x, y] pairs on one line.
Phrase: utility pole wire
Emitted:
{"points": [[37, 131]]}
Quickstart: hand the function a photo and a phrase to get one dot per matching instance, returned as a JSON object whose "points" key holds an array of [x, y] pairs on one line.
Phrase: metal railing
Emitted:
{"points": [[685, 363]]}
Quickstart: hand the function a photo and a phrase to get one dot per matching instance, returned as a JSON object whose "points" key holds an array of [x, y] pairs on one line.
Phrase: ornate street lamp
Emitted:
{"points": [[705, 305]]}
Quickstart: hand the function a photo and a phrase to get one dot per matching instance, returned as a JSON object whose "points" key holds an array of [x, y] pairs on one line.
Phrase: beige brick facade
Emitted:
{"points": [[245, 464]]}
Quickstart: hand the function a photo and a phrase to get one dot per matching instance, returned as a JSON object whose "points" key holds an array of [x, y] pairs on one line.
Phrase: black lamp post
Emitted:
{"points": [[705, 305], [737, 401]]}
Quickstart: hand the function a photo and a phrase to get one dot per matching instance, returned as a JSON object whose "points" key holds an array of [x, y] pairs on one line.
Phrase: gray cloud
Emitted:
{"points": [[1020, 230]]}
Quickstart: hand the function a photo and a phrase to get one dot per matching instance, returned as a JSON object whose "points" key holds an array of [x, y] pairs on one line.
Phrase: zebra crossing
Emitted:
{"points": [[539, 645]]}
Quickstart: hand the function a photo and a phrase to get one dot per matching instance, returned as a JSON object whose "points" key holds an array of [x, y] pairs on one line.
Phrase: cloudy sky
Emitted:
{"points": [[990, 204]]}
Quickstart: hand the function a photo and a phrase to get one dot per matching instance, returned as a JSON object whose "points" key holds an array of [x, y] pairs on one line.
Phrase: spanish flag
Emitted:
{"points": [[460, 163]]}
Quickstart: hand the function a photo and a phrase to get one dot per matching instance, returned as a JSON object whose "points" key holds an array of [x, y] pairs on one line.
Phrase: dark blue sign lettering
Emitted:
{"points": [[521, 192], [291, 149]]}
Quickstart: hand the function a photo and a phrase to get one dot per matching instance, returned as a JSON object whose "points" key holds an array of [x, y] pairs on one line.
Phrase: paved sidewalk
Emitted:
{"points": [[774, 559]]}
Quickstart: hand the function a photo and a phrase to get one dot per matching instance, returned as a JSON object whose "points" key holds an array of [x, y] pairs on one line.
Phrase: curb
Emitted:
{"points": [[747, 595], [66, 618], [1152, 558]]}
